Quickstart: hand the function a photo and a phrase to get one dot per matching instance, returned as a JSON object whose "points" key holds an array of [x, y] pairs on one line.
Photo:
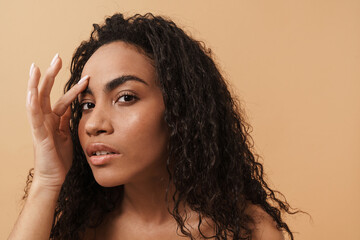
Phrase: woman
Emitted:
{"points": [[146, 143]]}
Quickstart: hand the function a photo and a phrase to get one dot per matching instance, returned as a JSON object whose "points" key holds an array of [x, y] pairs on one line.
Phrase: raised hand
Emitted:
{"points": [[50, 125]]}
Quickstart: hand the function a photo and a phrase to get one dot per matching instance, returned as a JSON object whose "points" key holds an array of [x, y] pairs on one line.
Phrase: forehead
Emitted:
{"points": [[116, 59]]}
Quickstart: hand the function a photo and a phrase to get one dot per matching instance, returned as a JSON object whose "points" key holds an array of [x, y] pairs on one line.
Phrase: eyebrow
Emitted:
{"points": [[115, 83], [121, 80]]}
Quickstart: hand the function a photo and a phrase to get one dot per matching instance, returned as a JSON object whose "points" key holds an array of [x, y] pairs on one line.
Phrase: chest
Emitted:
{"points": [[129, 230]]}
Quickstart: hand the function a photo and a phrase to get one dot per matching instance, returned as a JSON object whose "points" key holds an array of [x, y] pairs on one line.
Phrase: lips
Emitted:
{"points": [[100, 153], [98, 149]]}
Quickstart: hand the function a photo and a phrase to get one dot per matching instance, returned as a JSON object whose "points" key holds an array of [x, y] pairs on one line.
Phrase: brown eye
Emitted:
{"points": [[87, 106], [127, 98]]}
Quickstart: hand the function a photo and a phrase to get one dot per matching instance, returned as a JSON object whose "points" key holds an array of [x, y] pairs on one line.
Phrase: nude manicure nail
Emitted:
{"points": [[54, 59], [83, 79], [31, 69]]}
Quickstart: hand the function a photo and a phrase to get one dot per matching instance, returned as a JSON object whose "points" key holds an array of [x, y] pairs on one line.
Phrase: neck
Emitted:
{"points": [[147, 200]]}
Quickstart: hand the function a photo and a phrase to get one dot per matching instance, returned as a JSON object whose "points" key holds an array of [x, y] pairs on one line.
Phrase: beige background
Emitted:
{"points": [[294, 64]]}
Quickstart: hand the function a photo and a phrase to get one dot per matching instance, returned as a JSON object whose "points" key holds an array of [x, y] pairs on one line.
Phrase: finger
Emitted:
{"points": [[34, 111], [47, 84], [34, 77], [64, 102], [65, 121]]}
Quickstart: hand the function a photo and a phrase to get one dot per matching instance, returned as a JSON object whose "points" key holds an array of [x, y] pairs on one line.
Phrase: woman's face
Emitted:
{"points": [[122, 129]]}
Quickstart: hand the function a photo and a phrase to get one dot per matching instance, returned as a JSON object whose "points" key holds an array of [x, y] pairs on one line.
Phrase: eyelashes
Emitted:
{"points": [[86, 106], [125, 98]]}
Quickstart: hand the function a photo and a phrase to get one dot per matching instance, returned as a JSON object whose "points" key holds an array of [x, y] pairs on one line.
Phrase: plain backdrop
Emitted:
{"points": [[295, 66]]}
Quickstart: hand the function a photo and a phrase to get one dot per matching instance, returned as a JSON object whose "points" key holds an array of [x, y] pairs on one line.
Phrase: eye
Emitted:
{"points": [[86, 106], [127, 97]]}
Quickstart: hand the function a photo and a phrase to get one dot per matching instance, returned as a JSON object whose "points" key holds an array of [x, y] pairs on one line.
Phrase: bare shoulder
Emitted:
{"points": [[264, 227]]}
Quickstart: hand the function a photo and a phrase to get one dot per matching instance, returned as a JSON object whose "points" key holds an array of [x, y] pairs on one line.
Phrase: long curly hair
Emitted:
{"points": [[211, 161]]}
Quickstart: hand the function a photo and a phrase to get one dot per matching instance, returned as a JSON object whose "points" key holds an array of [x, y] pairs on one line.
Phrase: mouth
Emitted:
{"points": [[100, 153], [100, 149]]}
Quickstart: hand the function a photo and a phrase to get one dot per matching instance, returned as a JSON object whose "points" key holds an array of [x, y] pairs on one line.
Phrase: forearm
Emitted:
{"points": [[35, 220]]}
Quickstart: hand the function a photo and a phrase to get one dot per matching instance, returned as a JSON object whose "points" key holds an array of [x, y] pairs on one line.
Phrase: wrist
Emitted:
{"points": [[39, 188], [48, 182]]}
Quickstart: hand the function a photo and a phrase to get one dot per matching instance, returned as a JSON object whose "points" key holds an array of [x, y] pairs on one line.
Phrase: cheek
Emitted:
{"points": [[81, 131], [146, 131]]}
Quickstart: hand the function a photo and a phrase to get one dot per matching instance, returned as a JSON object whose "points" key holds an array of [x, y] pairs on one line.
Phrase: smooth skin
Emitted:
{"points": [[126, 117], [123, 109]]}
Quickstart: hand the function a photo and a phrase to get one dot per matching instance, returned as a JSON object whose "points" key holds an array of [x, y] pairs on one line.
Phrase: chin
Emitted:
{"points": [[108, 180], [106, 184]]}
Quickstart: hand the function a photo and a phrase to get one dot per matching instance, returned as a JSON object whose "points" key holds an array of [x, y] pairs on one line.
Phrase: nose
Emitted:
{"points": [[98, 122]]}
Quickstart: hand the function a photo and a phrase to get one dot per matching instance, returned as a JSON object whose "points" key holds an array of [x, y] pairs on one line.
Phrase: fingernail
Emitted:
{"points": [[28, 98], [31, 69], [83, 79], [54, 59]]}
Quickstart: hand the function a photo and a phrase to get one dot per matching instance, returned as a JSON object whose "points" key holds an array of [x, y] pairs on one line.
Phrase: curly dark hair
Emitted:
{"points": [[211, 159]]}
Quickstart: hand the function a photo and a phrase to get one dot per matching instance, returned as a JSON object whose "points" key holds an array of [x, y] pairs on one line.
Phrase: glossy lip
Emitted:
{"points": [[103, 159]]}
